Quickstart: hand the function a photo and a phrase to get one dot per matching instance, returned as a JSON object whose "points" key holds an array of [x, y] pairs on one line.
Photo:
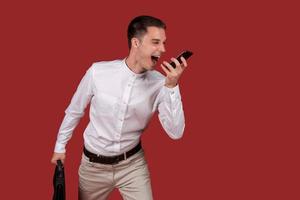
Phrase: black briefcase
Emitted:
{"points": [[59, 182]]}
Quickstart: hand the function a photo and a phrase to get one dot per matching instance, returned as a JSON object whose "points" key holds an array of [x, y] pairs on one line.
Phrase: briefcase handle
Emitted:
{"points": [[60, 166]]}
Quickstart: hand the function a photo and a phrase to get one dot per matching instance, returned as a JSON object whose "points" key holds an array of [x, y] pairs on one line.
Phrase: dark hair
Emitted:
{"points": [[138, 26]]}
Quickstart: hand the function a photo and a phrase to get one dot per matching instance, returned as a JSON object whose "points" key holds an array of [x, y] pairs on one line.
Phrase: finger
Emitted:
{"points": [[168, 66], [165, 69], [184, 63], [53, 161], [177, 63], [57, 157], [63, 161]]}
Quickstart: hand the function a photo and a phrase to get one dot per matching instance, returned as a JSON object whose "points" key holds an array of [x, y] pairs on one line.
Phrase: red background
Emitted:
{"points": [[240, 94]]}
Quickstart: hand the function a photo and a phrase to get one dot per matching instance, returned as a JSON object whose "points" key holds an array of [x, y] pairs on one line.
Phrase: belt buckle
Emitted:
{"points": [[118, 159]]}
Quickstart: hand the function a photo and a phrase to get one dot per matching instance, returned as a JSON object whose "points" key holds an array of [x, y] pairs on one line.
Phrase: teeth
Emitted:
{"points": [[156, 56]]}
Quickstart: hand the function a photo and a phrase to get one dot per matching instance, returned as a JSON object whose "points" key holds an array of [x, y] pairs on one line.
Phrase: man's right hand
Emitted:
{"points": [[58, 156]]}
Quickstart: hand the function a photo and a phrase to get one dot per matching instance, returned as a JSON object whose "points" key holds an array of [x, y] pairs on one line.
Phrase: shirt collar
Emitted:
{"points": [[130, 72]]}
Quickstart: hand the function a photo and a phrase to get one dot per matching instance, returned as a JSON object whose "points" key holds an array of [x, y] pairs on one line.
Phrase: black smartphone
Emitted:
{"points": [[186, 54]]}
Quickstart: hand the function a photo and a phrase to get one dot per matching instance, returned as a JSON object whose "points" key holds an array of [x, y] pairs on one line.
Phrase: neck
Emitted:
{"points": [[133, 64]]}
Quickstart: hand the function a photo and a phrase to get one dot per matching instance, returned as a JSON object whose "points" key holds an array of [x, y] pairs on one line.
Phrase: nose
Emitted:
{"points": [[162, 48]]}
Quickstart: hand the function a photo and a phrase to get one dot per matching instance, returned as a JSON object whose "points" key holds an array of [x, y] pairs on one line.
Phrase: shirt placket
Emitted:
{"points": [[123, 108]]}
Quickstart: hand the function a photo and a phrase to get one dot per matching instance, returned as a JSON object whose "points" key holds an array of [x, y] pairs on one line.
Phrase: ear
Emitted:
{"points": [[135, 42]]}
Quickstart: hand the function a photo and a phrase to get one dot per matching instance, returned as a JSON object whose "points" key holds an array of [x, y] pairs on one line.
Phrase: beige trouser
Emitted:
{"points": [[130, 176]]}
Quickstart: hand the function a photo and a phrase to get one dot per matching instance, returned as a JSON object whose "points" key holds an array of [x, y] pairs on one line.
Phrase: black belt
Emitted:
{"points": [[111, 159]]}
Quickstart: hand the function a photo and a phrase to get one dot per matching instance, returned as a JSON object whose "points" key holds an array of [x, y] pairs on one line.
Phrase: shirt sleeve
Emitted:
{"points": [[75, 111], [170, 112]]}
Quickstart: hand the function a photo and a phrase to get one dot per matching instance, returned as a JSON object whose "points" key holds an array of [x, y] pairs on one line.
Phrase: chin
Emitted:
{"points": [[152, 67]]}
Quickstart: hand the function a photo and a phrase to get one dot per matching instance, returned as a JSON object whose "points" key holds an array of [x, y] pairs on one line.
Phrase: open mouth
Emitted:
{"points": [[155, 59]]}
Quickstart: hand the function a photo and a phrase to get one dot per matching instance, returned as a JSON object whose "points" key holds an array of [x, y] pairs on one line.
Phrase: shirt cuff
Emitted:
{"points": [[60, 148], [174, 92]]}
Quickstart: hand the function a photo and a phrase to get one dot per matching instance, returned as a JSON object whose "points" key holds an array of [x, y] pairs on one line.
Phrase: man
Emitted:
{"points": [[124, 94]]}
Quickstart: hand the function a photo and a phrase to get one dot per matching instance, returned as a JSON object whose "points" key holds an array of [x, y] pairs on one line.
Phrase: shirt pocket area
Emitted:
{"points": [[105, 104]]}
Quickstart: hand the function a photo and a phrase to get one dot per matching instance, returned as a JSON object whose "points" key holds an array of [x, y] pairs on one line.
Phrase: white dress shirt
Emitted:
{"points": [[122, 103]]}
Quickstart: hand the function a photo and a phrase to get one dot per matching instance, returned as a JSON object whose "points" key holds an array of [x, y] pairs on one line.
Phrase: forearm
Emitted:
{"points": [[74, 112], [171, 114], [65, 132]]}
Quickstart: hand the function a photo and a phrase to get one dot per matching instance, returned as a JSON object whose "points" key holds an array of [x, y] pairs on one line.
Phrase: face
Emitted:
{"points": [[150, 47]]}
